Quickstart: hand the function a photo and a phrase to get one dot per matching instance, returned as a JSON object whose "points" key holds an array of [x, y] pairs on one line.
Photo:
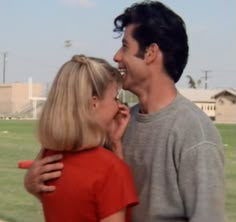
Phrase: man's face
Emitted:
{"points": [[132, 68]]}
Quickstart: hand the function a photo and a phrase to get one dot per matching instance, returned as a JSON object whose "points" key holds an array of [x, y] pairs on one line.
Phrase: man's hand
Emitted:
{"points": [[42, 170]]}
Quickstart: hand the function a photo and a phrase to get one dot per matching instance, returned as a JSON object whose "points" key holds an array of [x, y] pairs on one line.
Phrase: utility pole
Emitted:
{"points": [[4, 67], [206, 77]]}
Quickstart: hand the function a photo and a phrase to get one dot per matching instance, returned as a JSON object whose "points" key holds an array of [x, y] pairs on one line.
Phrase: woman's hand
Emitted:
{"points": [[117, 129]]}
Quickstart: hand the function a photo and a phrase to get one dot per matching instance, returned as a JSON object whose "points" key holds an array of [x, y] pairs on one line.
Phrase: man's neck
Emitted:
{"points": [[157, 98]]}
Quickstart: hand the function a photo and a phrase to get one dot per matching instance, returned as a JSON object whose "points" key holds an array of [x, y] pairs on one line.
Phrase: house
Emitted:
{"points": [[219, 105], [202, 98], [225, 101]]}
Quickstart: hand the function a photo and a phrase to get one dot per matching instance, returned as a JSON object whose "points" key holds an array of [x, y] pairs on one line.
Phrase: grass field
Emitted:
{"points": [[17, 142]]}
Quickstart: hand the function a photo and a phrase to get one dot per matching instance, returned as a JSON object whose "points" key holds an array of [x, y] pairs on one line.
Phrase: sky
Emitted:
{"points": [[33, 35]]}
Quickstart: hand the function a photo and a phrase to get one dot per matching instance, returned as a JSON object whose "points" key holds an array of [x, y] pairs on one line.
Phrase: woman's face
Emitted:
{"points": [[107, 107]]}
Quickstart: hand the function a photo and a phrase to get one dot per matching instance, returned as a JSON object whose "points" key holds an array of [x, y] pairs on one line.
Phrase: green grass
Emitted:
{"points": [[228, 133], [17, 142]]}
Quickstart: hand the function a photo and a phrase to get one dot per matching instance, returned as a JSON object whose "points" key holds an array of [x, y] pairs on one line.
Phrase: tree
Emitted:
{"points": [[193, 83]]}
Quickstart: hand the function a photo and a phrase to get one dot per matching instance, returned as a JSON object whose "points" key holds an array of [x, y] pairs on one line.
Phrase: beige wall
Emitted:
{"points": [[15, 97], [5, 98], [226, 109]]}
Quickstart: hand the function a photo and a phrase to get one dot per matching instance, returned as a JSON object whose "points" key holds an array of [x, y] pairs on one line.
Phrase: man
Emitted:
{"points": [[171, 146]]}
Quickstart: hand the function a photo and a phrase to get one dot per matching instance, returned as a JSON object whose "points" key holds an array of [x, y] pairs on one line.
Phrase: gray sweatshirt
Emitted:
{"points": [[176, 156]]}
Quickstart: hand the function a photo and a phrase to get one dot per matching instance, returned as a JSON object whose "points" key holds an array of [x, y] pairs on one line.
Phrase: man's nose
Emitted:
{"points": [[117, 56]]}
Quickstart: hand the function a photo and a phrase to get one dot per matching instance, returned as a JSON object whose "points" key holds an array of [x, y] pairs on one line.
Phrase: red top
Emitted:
{"points": [[94, 184]]}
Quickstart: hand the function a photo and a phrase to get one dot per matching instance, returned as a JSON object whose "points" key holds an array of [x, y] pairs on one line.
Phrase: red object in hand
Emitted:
{"points": [[25, 164]]}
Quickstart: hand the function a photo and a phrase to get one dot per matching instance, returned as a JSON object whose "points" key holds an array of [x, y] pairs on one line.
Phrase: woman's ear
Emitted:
{"points": [[95, 102]]}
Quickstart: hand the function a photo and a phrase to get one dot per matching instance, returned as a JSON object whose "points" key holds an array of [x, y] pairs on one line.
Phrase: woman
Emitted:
{"points": [[80, 113]]}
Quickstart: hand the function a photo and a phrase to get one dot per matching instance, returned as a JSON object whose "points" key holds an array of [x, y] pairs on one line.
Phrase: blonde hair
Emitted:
{"points": [[67, 120]]}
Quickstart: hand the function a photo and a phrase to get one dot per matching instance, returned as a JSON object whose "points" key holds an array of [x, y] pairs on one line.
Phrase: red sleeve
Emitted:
{"points": [[116, 190]]}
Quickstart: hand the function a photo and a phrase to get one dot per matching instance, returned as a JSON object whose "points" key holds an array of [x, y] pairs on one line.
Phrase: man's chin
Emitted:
{"points": [[125, 87], [124, 78], [124, 82]]}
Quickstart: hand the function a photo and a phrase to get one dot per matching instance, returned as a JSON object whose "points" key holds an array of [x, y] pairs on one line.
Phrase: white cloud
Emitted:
{"points": [[81, 3]]}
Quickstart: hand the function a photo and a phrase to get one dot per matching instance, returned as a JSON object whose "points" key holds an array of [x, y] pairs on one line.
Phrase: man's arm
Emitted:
{"points": [[42, 170], [201, 181]]}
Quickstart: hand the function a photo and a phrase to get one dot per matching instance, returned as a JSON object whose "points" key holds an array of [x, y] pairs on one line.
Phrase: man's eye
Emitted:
{"points": [[117, 98]]}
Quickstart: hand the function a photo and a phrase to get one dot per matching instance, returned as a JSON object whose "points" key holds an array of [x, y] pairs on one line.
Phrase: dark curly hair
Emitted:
{"points": [[158, 24]]}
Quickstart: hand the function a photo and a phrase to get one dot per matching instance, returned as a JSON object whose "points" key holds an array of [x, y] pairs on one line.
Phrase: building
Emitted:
{"points": [[23, 100], [202, 98], [219, 105], [17, 97], [225, 101]]}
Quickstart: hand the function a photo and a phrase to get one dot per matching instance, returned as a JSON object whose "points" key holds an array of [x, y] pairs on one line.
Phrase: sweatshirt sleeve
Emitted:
{"points": [[201, 178]]}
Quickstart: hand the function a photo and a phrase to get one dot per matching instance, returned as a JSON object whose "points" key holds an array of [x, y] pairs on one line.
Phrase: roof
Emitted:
{"points": [[229, 91], [199, 95]]}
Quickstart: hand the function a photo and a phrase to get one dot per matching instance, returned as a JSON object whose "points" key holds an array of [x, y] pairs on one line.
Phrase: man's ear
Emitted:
{"points": [[152, 53]]}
